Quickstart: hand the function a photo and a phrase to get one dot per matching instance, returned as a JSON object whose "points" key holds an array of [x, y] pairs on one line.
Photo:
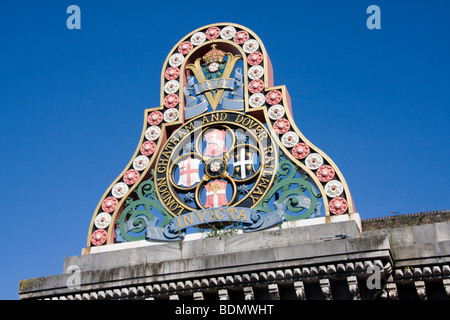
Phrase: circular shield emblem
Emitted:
{"points": [[208, 161]]}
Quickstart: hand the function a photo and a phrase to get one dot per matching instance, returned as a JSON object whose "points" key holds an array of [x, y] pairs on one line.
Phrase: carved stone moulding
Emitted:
{"points": [[271, 283]]}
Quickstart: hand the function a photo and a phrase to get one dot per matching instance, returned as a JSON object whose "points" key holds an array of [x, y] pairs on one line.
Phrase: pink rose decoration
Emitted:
{"points": [[255, 58], [325, 173], [131, 176], [155, 118], [148, 147], [172, 73], [109, 204], [171, 101], [300, 150], [212, 33], [185, 47], [338, 205], [241, 37], [99, 237], [256, 86], [281, 126], [274, 97]]}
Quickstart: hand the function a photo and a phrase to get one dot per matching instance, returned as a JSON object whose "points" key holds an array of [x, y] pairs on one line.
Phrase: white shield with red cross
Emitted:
{"points": [[215, 143], [216, 194], [189, 172]]}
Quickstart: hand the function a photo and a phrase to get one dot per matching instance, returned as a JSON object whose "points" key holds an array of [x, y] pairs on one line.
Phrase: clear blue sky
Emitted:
{"points": [[73, 101]]}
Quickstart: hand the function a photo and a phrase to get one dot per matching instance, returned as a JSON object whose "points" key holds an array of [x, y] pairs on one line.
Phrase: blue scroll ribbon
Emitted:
{"points": [[235, 99], [195, 104], [251, 220], [232, 99]]}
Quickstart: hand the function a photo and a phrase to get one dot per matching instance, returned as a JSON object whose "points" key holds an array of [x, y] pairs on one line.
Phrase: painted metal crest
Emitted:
{"points": [[221, 149]]}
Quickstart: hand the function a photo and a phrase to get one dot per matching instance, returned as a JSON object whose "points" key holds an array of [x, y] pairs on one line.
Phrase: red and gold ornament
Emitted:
{"points": [[185, 47], [301, 150], [171, 101], [109, 204], [256, 86], [172, 73], [99, 237], [274, 97], [338, 205], [255, 58], [212, 33], [241, 36], [155, 118], [148, 147], [325, 173], [131, 176], [281, 126]]}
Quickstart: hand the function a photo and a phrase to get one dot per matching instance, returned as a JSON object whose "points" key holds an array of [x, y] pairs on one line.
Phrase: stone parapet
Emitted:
{"points": [[324, 261]]}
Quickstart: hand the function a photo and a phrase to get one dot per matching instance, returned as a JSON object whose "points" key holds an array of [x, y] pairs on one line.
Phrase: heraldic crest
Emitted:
{"points": [[222, 149]]}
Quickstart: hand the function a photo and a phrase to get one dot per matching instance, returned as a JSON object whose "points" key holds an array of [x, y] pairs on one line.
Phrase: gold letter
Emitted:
{"points": [[242, 213], [223, 116], [186, 219], [217, 211], [179, 224], [198, 215], [231, 211]]}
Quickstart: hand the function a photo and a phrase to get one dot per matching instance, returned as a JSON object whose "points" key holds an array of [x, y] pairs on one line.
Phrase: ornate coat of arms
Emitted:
{"points": [[216, 194], [215, 143], [211, 84], [189, 172], [221, 147], [243, 163]]}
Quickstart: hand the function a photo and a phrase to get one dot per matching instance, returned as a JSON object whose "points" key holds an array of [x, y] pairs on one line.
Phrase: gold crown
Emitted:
{"points": [[214, 55]]}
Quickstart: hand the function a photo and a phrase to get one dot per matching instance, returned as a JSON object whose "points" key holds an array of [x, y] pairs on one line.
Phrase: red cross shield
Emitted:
{"points": [[189, 172]]}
